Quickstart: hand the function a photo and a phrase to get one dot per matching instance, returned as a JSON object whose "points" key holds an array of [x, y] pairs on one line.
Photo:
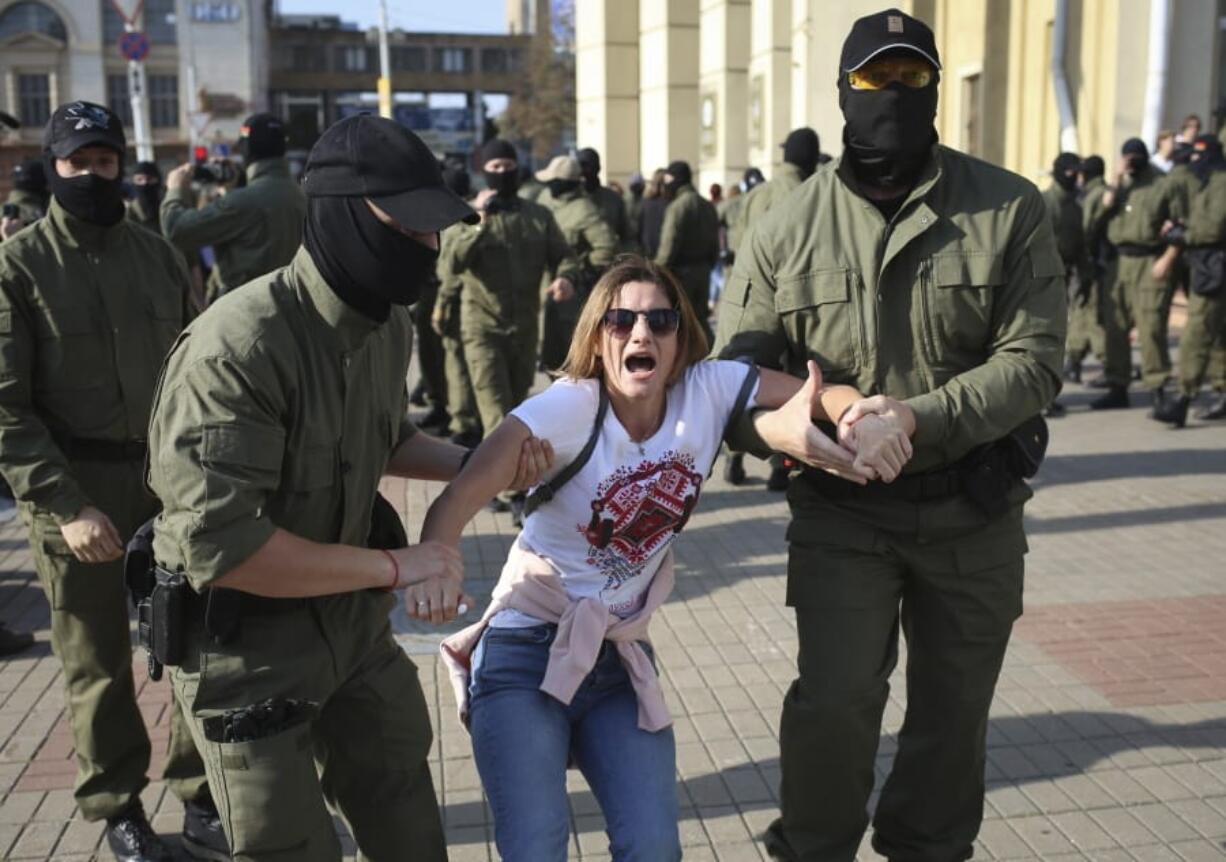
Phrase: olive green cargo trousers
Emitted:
{"points": [[362, 749], [857, 573], [90, 635], [1138, 298]]}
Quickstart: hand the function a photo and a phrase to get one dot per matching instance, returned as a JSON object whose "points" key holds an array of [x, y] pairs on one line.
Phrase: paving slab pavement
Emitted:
{"points": [[1108, 733]]}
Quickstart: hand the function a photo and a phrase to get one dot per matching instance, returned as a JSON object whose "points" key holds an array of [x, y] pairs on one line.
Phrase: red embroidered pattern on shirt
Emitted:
{"points": [[636, 512]]}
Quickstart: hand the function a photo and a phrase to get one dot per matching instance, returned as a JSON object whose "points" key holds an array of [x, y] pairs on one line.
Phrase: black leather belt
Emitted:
{"points": [[88, 449], [1136, 249], [916, 488]]}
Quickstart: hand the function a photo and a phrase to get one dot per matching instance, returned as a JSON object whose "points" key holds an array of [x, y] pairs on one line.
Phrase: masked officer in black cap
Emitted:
{"points": [[610, 204], [1067, 222], [147, 200], [89, 306], [689, 239], [279, 410], [931, 281], [253, 229]]}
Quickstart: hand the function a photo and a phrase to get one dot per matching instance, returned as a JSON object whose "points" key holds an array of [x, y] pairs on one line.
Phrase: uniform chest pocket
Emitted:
{"points": [[73, 347], [818, 310], [958, 299]]}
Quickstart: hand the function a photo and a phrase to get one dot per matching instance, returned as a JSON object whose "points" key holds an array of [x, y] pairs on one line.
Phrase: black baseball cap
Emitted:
{"points": [[886, 31], [262, 136], [373, 157], [82, 124]]}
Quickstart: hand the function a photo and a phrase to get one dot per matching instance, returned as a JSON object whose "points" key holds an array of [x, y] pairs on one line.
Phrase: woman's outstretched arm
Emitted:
{"points": [[775, 388]]}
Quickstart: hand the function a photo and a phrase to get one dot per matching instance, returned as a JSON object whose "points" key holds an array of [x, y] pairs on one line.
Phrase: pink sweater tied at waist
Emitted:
{"points": [[530, 584]]}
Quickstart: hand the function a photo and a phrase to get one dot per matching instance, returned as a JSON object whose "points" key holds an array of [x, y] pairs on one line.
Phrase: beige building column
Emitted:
{"points": [[768, 118], [607, 83], [668, 83], [723, 91]]}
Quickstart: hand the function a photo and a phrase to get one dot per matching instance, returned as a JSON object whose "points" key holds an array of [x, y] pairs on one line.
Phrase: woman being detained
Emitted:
{"points": [[559, 669]]}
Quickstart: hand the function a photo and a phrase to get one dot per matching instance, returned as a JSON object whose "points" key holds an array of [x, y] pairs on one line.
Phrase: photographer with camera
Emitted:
{"points": [[253, 229]]}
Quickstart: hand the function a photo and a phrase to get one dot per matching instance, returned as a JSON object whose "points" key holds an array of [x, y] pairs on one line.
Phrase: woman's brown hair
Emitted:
{"points": [[583, 360]]}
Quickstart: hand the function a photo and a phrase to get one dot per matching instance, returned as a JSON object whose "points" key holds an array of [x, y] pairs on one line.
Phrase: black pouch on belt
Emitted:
{"points": [[167, 617]]}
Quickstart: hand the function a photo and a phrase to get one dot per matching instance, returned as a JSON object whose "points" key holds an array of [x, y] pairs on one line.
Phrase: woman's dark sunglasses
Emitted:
{"points": [[661, 321]]}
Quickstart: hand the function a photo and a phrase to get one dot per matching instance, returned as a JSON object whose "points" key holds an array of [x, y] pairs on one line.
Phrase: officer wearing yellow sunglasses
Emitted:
{"points": [[929, 280]]}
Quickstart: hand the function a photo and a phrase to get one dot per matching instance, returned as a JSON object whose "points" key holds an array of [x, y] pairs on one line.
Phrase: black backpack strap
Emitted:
{"points": [[544, 493], [742, 398]]}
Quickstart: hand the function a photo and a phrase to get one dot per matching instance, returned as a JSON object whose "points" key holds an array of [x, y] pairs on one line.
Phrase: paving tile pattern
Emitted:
{"points": [[1107, 738]]}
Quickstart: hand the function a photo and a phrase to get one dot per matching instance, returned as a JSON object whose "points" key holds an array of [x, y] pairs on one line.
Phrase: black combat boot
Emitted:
{"points": [[1115, 398], [1055, 410], [734, 468], [418, 396], [132, 839], [1174, 411], [203, 837], [1215, 409], [1158, 400], [436, 418], [12, 642]]}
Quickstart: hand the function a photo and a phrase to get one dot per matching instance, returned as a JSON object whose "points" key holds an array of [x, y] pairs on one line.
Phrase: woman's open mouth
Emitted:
{"points": [[640, 366]]}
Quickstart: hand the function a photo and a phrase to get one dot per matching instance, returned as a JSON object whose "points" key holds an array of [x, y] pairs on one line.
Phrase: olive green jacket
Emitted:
{"points": [[765, 196], [87, 314], [591, 238], [253, 230], [147, 220], [30, 207], [1143, 202], [957, 306], [278, 407], [1206, 222], [500, 264], [729, 219], [613, 210], [689, 238], [1094, 214], [531, 189]]}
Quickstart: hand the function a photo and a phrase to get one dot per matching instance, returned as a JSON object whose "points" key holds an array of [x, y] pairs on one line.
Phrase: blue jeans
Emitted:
{"points": [[523, 740]]}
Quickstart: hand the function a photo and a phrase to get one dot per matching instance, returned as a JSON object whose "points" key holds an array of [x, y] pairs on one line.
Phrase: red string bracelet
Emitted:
{"points": [[395, 571]]}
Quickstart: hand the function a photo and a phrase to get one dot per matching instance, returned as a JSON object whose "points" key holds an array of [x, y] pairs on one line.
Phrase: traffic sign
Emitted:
{"points": [[134, 45]]}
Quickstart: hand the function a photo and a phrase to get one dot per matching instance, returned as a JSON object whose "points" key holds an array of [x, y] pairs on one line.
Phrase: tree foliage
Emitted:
{"points": [[541, 110]]}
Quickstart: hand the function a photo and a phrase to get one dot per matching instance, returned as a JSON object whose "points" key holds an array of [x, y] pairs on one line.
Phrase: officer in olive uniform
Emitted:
{"points": [[277, 413], [253, 229], [145, 205], [465, 422], [89, 306], [1140, 200], [1085, 333], [591, 239], [500, 264], [1067, 223], [1202, 240], [29, 194], [689, 239], [930, 280], [430, 359], [608, 202], [801, 151]]}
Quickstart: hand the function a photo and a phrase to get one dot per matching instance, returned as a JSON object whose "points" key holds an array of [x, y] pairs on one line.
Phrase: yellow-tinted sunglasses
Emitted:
{"points": [[879, 74]]}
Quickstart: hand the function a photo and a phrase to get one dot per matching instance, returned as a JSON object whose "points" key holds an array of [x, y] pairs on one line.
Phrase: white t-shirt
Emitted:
{"points": [[606, 530]]}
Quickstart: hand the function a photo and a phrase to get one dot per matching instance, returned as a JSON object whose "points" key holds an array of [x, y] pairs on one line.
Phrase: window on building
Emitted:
{"points": [[164, 101], [515, 60], [355, 58], [30, 17], [494, 60], [454, 60], [972, 115], [409, 58], [117, 98], [160, 22], [309, 58], [34, 99]]}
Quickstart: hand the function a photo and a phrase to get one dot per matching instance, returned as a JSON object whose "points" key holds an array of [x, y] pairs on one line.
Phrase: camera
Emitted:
{"points": [[215, 172], [10, 211]]}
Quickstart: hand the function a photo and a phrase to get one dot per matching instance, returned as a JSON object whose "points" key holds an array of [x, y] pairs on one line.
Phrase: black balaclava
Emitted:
{"points": [[504, 183], [1137, 154], [1064, 171], [562, 188], [589, 163], [1092, 168], [89, 197], [681, 176], [1206, 157], [888, 133], [802, 149], [262, 136], [150, 194], [369, 265]]}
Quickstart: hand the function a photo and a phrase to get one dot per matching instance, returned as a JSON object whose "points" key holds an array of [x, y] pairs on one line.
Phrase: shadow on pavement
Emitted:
{"points": [[1113, 520], [1065, 752], [1066, 469]]}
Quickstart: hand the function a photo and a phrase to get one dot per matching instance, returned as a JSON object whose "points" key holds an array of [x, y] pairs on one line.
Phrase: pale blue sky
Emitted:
{"points": [[456, 16]]}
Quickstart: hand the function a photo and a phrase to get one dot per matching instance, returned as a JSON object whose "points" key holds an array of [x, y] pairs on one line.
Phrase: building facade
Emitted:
{"points": [[206, 69], [443, 84], [720, 82]]}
